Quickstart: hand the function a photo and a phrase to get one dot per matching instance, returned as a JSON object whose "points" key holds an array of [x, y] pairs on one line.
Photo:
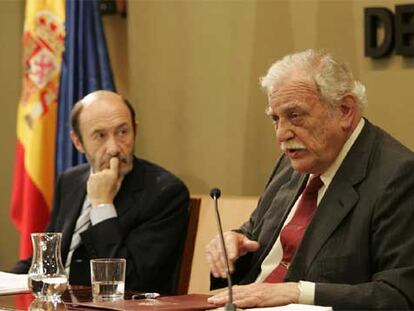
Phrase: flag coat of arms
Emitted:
{"points": [[33, 180], [64, 57]]}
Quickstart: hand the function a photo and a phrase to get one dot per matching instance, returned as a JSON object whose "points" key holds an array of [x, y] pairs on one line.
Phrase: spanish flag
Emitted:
{"points": [[33, 180]]}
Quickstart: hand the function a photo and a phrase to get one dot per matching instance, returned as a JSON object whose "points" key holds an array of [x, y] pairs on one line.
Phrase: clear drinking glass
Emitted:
{"points": [[47, 277], [108, 278]]}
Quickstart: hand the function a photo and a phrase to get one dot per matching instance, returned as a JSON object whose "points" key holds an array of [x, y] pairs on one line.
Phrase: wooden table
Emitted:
{"points": [[83, 294], [23, 301]]}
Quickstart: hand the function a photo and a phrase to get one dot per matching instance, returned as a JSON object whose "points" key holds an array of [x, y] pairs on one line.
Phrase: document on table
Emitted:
{"points": [[13, 283], [293, 307]]}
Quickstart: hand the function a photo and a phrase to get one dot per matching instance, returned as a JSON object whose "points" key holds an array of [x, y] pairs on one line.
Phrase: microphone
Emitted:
{"points": [[215, 195]]}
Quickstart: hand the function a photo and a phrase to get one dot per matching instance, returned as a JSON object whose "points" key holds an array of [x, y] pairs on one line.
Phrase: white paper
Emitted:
{"points": [[13, 283], [293, 307]]}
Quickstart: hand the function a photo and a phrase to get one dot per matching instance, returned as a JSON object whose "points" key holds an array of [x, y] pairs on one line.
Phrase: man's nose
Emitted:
{"points": [[283, 131], [112, 146]]}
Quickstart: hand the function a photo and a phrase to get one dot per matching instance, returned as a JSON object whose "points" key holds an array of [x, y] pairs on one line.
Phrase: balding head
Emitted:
{"points": [[103, 128], [95, 98]]}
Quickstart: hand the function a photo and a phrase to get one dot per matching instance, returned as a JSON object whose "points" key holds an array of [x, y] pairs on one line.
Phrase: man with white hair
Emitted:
{"points": [[334, 224]]}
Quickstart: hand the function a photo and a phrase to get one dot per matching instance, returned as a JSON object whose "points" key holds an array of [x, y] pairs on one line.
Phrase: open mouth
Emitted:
{"points": [[294, 152]]}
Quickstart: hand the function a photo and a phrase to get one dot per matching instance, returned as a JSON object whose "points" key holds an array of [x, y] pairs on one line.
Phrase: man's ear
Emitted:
{"points": [[77, 142], [349, 111]]}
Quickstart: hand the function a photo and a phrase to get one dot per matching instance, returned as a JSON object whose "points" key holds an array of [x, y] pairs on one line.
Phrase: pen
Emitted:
{"points": [[145, 296]]}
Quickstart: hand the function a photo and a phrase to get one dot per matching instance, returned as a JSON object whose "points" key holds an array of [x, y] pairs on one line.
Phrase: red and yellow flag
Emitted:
{"points": [[33, 181]]}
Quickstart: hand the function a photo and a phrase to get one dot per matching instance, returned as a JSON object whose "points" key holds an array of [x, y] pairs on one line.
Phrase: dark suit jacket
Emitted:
{"points": [[359, 246], [152, 206]]}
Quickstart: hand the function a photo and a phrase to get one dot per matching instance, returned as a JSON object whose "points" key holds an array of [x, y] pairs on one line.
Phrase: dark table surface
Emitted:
{"points": [[22, 301], [83, 294]]}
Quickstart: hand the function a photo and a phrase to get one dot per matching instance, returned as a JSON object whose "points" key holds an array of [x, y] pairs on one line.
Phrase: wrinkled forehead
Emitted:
{"points": [[104, 112], [293, 91]]}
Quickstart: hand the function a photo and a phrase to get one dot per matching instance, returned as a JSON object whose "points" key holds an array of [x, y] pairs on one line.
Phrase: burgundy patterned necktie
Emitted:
{"points": [[292, 234]]}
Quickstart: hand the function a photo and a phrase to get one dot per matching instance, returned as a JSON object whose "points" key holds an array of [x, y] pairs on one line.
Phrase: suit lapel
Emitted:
{"points": [[328, 217], [73, 202], [339, 199], [282, 203], [283, 199]]}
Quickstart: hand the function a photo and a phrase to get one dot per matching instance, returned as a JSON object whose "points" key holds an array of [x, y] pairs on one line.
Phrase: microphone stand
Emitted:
{"points": [[230, 306]]}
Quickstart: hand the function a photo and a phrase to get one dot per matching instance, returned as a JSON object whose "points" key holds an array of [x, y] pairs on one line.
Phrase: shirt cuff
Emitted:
{"points": [[102, 212], [306, 292]]}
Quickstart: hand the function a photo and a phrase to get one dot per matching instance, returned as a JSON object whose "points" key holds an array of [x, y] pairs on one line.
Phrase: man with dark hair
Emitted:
{"points": [[334, 224], [117, 205]]}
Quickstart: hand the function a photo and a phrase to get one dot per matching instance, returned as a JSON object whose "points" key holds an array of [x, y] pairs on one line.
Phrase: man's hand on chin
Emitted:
{"points": [[259, 295], [103, 186]]}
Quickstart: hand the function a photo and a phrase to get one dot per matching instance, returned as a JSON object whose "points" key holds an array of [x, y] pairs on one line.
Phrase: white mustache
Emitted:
{"points": [[291, 144]]}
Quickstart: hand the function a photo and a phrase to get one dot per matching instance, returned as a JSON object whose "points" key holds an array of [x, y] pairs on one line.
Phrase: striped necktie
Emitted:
{"points": [[292, 234], [82, 224]]}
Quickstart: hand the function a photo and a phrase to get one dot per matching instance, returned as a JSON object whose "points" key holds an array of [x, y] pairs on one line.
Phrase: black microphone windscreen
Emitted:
{"points": [[215, 193]]}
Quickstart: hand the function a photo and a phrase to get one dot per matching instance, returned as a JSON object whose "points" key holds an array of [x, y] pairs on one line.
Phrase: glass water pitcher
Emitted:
{"points": [[47, 277]]}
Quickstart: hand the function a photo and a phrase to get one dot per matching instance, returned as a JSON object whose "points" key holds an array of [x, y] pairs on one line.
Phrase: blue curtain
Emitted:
{"points": [[85, 68]]}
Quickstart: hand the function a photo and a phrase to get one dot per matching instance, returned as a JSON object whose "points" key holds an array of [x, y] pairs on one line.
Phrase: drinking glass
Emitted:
{"points": [[108, 278]]}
